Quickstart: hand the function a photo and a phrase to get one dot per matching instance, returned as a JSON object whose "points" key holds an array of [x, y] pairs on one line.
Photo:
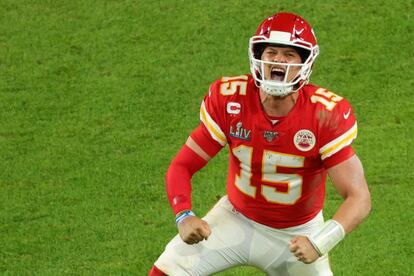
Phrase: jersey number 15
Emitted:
{"points": [[270, 161]]}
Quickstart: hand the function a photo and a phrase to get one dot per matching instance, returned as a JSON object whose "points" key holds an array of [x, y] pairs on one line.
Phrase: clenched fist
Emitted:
{"points": [[193, 230], [303, 250]]}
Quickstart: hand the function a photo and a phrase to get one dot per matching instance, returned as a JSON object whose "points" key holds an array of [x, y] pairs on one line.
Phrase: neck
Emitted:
{"points": [[278, 106]]}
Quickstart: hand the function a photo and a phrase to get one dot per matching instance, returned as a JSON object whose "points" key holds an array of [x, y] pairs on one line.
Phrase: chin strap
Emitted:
{"points": [[276, 90], [327, 237], [279, 90]]}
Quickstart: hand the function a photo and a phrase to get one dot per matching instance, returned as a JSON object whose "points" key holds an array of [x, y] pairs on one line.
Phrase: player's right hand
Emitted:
{"points": [[193, 230]]}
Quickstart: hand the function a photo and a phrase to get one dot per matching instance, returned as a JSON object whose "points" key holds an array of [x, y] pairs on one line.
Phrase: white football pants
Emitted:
{"points": [[236, 240]]}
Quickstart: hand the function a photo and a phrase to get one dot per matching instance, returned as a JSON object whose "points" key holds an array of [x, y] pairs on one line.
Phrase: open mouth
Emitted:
{"points": [[277, 74]]}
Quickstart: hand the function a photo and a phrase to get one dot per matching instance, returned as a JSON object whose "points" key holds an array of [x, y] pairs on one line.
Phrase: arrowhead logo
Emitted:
{"points": [[304, 140]]}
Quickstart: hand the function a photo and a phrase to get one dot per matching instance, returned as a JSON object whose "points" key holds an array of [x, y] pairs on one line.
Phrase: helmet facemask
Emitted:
{"points": [[286, 84]]}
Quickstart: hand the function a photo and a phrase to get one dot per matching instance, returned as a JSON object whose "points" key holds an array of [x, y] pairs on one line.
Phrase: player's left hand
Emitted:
{"points": [[303, 250]]}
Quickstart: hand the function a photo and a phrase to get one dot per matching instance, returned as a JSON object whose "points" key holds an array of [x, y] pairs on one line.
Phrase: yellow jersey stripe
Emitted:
{"points": [[212, 127], [339, 143]]}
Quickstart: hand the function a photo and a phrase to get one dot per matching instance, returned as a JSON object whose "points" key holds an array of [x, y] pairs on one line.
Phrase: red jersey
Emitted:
{"points": [[277, 166]]}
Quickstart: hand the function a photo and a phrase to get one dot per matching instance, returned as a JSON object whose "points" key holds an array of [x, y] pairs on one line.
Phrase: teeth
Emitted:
{"points": [[278, 70], [277, 74]]}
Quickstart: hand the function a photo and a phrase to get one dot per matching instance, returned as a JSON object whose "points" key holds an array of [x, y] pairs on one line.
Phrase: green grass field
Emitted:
{"points": [[96, 97]]}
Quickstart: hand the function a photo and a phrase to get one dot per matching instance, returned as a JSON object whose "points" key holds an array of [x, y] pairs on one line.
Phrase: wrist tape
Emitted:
{"points": [[180, 216], [327, 237]]}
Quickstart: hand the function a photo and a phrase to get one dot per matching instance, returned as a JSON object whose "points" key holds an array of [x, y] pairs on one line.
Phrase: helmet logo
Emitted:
{"points": [[298, 33]]}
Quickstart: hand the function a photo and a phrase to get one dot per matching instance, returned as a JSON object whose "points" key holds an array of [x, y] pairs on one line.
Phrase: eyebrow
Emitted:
{"points": [[286, 49]]}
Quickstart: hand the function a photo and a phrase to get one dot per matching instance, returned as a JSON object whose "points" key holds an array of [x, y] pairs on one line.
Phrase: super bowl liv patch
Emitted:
{"points": [[240, 132]]}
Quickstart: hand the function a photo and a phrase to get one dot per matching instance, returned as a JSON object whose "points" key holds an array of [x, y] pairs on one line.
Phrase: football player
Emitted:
{"points": [[284, 137]]}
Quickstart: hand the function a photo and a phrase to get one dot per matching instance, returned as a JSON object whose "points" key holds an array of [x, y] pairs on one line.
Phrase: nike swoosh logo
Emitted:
{"points": [[346, 115]]}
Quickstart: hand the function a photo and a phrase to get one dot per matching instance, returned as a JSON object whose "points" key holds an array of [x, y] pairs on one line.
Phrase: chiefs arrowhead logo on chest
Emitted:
{"points": [[304, 140]]}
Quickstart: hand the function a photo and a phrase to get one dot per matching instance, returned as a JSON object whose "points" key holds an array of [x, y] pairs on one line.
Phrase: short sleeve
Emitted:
{"points": [[212, 114], [338, 130]]}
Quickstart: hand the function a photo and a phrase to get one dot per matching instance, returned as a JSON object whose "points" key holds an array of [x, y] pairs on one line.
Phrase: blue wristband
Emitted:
{"points": [[183, 215]]}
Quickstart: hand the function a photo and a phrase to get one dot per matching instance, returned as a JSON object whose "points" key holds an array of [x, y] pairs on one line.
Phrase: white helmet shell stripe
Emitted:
{"points": [[279, 36]]}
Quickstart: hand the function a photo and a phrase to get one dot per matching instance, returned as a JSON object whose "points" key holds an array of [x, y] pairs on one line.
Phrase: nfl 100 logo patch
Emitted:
{"points": [[270, 135]]}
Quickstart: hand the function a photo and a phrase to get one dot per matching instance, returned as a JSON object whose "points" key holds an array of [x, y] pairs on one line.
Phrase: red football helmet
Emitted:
{"points": [[283, 29]]}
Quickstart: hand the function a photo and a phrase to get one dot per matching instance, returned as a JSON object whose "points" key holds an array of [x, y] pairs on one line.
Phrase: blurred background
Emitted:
{"points": [[96, 97]]}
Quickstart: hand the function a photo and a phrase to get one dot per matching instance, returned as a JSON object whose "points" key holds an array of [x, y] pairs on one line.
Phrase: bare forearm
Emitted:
{"points": [[349, 181], [352, 212]]}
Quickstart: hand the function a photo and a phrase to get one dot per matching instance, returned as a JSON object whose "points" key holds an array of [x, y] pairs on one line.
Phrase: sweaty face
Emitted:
{"points": [[283, 55]]}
